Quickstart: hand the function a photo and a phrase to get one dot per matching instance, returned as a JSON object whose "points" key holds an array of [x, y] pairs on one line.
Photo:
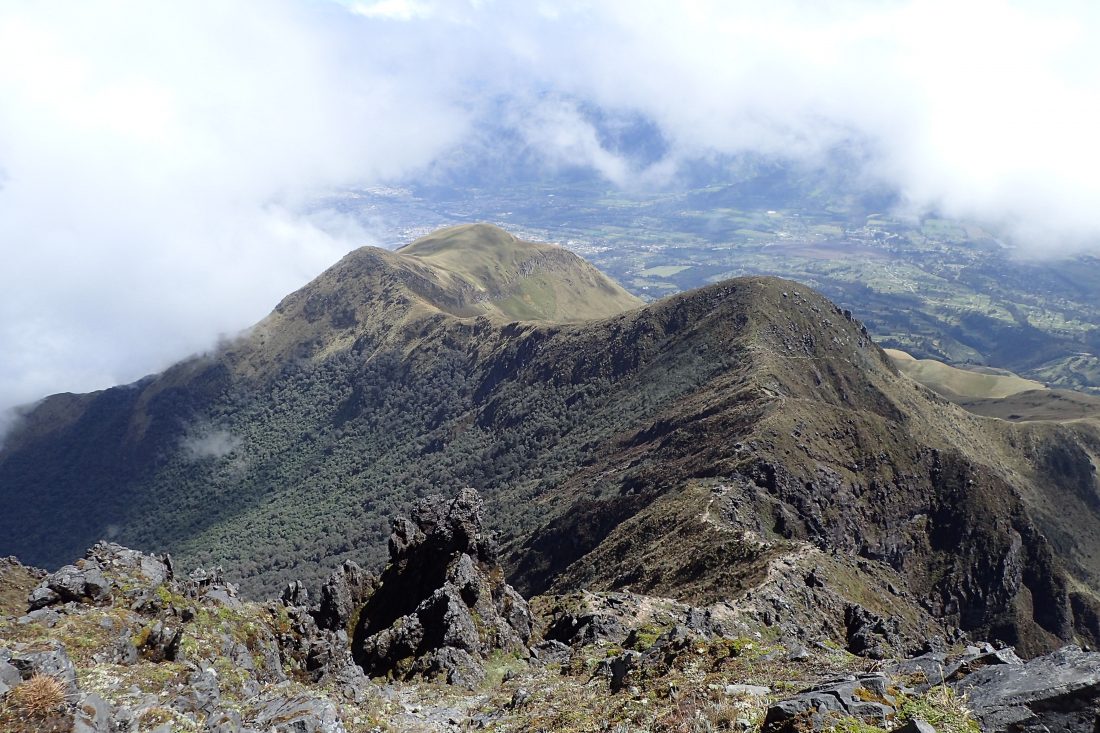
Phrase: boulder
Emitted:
{"points": [[298, 715], [159, 642], [870, 635], [975, 659], [83, 582], [202, 694], [53, 662], [93, 715], [916, 725], [618, 668], [322, 654], [138, 567], [1059, 691], [209, 586], [441, 606], [9, 675], [295, 594], [867, 697], [224, 721], [551, 651]]}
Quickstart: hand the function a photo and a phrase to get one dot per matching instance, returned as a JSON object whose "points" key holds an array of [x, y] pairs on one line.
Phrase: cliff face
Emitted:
{"points": [[713, 446]]}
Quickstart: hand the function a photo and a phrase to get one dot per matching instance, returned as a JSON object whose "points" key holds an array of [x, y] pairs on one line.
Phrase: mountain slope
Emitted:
{"points": [[719, 445], [518, 280], [955, 383]]}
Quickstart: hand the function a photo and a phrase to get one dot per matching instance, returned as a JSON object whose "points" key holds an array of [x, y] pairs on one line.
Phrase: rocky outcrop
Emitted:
{"points": [[160, 652], [301, 714], [1059, 691], [81, 582], [869, 698], [1056, 692], [584, 618], [127, 611], [342, 595], [442, 605]]}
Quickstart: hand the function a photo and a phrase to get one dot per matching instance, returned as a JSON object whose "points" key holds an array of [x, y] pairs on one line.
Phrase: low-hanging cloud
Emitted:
{"points": [[204, 443], [156, 159]]}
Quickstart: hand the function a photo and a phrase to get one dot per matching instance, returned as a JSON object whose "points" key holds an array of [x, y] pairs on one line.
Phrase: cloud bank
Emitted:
{"points": [[156, 158]]}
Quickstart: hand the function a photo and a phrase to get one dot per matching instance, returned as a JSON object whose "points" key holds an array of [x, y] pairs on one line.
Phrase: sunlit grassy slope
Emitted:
{"points": [[953, 381], [500, 274]]}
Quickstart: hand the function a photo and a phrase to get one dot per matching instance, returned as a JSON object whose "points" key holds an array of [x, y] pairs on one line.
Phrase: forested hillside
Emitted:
{"points": [[681, 449]]}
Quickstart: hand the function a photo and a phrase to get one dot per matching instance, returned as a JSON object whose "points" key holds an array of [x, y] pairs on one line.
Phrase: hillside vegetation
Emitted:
{"points": [[953, 382], [686, 448]]}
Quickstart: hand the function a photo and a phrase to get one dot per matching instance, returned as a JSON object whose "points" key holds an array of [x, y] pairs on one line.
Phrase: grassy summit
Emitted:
{"points": [[376, 295], [505, 276]]}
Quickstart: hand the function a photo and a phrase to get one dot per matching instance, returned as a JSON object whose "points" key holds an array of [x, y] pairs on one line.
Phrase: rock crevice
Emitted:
{"points": [[442, 606]]}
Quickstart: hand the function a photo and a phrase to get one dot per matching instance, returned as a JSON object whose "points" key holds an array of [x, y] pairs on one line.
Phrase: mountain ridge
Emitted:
{"points": [[685, 448]]}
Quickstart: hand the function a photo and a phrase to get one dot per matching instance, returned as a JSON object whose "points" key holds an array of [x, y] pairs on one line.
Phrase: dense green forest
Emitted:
{"points": [[284, 476]]}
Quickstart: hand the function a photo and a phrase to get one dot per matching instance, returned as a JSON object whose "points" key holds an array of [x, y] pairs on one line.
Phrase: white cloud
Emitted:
{"points": [[560, 133], [392, 9], [155, 157], [204, 443]]}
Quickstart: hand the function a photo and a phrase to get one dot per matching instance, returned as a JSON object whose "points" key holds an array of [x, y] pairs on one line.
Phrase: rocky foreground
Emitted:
{"points": [[120, 641]]}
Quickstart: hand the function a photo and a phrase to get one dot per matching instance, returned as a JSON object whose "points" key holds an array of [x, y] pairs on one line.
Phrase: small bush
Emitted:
{"points": [[39, 696]]}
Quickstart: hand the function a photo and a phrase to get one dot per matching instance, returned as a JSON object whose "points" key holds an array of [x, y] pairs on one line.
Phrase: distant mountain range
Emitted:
{"points": [[691, 447]]}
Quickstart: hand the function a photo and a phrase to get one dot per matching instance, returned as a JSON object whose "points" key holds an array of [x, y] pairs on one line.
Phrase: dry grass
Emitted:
{"points": [[943, 709], [953, 381], [36, 706], [39, 696]]}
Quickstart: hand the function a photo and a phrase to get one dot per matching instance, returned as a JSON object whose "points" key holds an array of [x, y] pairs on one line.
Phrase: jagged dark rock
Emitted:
{"points": [[139, 566], [342, 595], [295, 594], [299, 715], [617, 668], [82, 582], [975, 658], [587, 618], [870, 635], [1056, 692], [161, 642], [9, 675], [53, 662], [442, 604], [253, 668], [203, 694], [145, 616]]}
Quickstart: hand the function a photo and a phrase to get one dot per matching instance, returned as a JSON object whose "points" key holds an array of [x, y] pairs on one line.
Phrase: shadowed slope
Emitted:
{"points": [[689, 447]]}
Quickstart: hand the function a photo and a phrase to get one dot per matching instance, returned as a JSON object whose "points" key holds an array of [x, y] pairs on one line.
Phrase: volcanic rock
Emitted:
{"points": [[343, 593], [867, 697], [71, 583], [442, 605], [1059, 691]]}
